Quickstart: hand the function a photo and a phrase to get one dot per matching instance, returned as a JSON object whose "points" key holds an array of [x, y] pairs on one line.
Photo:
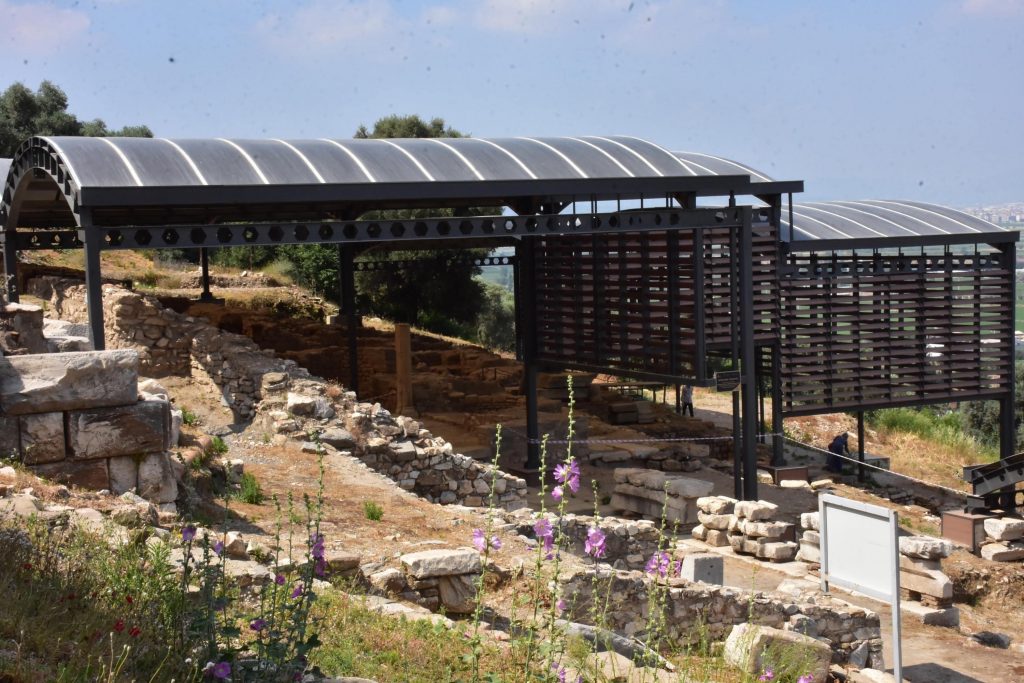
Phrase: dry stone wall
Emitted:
{"points": [[77, 418], [697, 610]]}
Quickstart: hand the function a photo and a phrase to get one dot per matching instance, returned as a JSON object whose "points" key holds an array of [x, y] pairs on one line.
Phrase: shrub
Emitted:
{"points": [[250, 490], [373, 511], [188, 417], [219, 446]]}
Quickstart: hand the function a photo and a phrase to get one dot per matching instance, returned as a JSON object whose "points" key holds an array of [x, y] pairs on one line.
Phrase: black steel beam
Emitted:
{"points": [[846, 244], [11, 270], [527, 259], [473, 192], [93, 283], [481, 262], [397, 231], [204, 261], [896, 402], [1007, 416], [347, 274], [747, 355]]}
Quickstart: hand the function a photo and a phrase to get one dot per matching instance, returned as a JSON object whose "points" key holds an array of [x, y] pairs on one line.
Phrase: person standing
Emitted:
{"points": [[688, 399]]}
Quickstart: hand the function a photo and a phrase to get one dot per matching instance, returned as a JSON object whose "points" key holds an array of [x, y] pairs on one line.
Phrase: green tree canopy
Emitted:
{"points": [[24, 113]]}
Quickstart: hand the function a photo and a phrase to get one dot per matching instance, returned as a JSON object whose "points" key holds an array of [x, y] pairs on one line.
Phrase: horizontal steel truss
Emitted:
{"points": [[383, 231], [480, 262]]}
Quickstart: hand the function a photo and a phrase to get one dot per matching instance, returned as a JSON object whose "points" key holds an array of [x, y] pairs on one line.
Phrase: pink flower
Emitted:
{"points": [[658, 564], [480, 541], [768, 675], [188, 533], [595, 543], [560, 605], [218, 548], [569, 475], [279, 579], [557, 493], [546, 535], [807, 678], [297, 592], [222, 670]]}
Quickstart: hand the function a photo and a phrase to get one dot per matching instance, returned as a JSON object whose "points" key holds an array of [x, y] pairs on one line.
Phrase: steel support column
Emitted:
{"points": [[734, 335], [526, 256], [860, 445], [92, 239], [747, 357], [1007, 418], [204, 261], [777, 425], [347, 277], [11, 264]]}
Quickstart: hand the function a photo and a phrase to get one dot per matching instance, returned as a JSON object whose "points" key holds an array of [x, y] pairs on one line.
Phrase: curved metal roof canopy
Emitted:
{"points": [[877, 219], [332, 175]]}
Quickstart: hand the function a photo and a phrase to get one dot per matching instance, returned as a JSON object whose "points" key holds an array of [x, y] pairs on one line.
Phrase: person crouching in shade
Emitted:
{"points": [[839, 446]]}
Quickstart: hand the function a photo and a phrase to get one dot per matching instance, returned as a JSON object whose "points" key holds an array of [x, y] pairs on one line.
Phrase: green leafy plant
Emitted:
{"points": [[219, 446], [188, 417], [373, 511], [250, 490]]}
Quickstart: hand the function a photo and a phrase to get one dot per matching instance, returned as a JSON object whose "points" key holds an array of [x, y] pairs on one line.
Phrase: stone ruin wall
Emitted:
{"points": [[79, 418], [171, 343], [697, 610]]}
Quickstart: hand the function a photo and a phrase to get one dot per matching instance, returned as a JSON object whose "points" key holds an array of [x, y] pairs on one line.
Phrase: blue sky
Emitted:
{"points": [[879, 98]]}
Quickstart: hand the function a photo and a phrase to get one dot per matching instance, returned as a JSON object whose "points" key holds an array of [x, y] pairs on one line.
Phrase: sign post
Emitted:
{"points": [[860, 552]]}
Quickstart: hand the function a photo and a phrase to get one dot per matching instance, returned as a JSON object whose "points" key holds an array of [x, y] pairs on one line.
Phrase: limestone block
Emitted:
{"points": [[68, 381], [339, 438], [389, 581], [712, 521], [154, 388], [688, 487], [809, 520], [699, 532], [1003, 552], [341, 561], [716, 505], [933, 583], [124, 474], [403, 451], [752, 648], [27, 321], [704, 567], [717, 538], [20, 505], [298, 404], [156, 479], [809, 552], [458, 593], [10, 437], [42, 438], [88, 474], [815, 538], [925, 547], [765, 529], [777, 551], [125, 430], [235, 546], [273, 383], [1005, 529], [756, 510], [429, 563], [177, 420]]}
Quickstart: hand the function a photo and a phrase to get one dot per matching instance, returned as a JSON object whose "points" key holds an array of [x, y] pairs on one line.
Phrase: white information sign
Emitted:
{"points": [[860, 552]]}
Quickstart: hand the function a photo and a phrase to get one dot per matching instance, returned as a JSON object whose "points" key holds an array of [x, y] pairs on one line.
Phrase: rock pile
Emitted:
{"points": [[649, 493], [76, 418], [1006, 540], [747, 526], [445, 578]]}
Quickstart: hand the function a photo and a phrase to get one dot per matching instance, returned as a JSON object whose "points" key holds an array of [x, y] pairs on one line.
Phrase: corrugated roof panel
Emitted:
{"points": [[880, 218]]}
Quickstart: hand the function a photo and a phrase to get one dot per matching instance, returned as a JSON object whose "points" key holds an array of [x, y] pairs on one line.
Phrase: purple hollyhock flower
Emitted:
{"points": [[218, 548], [568, 474], [768, 675], [557, 493], [806, 678], [595, 543], [317, 546], [279, 579], [560, 605], [222, 671], [258, 624], [546, 534], [188, 533], [495, 543], [297, 592], [479, 540]]}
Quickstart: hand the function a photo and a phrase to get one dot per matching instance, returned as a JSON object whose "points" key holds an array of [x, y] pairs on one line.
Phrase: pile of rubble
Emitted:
{"points": [[747, 526]]}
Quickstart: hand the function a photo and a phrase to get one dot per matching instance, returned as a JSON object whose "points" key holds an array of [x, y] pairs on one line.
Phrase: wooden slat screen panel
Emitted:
{"points": [[607, 300], [890, 329]]}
